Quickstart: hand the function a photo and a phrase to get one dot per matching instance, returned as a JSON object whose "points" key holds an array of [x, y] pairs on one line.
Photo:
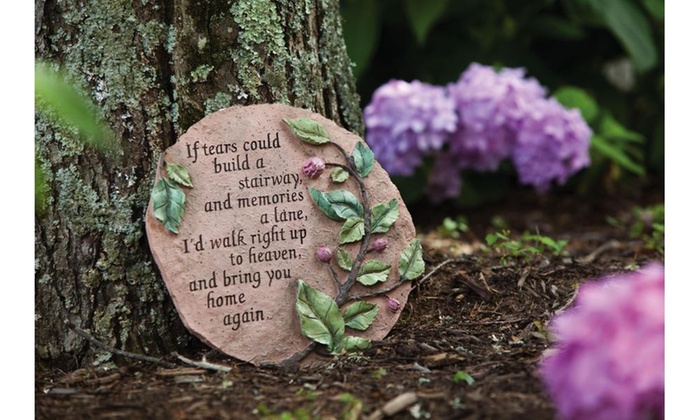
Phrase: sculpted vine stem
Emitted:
{"points": [[322, 317], [344, 289]]}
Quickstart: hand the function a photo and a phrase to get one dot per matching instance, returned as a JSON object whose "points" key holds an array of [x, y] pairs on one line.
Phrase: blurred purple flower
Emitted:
{"points": [[446, 179], [313, 167], [491, 107], [609, 360], [405, 121], [552, 144]]}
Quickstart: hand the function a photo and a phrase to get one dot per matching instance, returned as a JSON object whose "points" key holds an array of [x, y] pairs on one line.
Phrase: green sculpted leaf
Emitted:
{"points": [[323, 204], [168, 204], [411, 264], [344, 259], [353, 344], [384, 215], [337, 204], [345, 204], [360, 315], [363, 158], [179, 174], [373, 272], [321, 320], [308, 130], [339, 175], [352, 231]]}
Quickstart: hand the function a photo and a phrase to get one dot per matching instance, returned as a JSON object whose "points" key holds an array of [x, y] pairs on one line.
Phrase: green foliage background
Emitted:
{"points": [[568, 45]]}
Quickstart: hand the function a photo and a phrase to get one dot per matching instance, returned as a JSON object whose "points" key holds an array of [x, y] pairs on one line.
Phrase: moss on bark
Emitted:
{"points": [[154, 68]]}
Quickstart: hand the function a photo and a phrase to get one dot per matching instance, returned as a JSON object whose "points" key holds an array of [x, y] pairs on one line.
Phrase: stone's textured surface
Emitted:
{"points": [[250, 230]]}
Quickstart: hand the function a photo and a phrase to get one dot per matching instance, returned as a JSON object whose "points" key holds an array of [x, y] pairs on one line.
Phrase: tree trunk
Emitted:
{"points": [[154, 68]]}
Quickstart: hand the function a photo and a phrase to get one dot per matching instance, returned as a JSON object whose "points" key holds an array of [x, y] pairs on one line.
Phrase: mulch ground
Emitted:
{"points": [[467, 345]]}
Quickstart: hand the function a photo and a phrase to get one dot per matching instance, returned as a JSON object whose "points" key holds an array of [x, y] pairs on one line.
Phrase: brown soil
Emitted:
{"points": [[483, 314]]}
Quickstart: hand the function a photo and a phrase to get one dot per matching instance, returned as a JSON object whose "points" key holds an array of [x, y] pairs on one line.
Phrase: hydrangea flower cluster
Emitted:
{"points": [[491, 107], [405, 121], [609, 361], [476, 123]]}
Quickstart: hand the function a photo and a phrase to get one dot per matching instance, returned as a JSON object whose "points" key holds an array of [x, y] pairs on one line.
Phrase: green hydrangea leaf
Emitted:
{"points": [[632, 28], [54, 94], [352, 231], [373, 272], [360, 315], [411, 264], [574, 97], [353, 344], [423, 15], [178, 174], [344, 259], [308, 130], [611, 128], [339, 175], [363, 157], [384, 215], [168, 204], [617, 154], [321, 320]]}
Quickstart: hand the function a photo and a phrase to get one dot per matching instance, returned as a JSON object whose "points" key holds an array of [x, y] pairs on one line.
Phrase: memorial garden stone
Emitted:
{"points": [[278, 235]]}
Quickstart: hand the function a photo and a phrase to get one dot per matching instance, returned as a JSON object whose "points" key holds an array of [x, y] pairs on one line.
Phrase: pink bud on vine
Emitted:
{"points": [[379, 245], [392, 304], [313, 167], [324, 254]]}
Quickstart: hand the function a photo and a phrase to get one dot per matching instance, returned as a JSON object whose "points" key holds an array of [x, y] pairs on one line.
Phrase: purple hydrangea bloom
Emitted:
{"points": [[446, 179], [405, 121], [552, 144], [609, 361], [491, 107]]}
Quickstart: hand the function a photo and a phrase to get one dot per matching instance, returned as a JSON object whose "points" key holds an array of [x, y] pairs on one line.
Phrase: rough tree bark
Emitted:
{"points": [[154, 68]]}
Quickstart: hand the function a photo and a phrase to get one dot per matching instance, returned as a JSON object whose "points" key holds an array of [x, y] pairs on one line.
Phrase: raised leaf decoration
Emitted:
{"points": [[178, 173], [373, 272], [344, 259], [345, 204], [352, 231], [337, 204], [321, 320], [384, 215], [308, 130], [323, 204], [363, 158], [353, 344], [411, 264], [168, 204], [339, 175], [360, 315]]}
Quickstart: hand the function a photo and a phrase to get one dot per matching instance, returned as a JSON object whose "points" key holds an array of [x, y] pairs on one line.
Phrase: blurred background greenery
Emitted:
{"points": [[605, 57]]}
